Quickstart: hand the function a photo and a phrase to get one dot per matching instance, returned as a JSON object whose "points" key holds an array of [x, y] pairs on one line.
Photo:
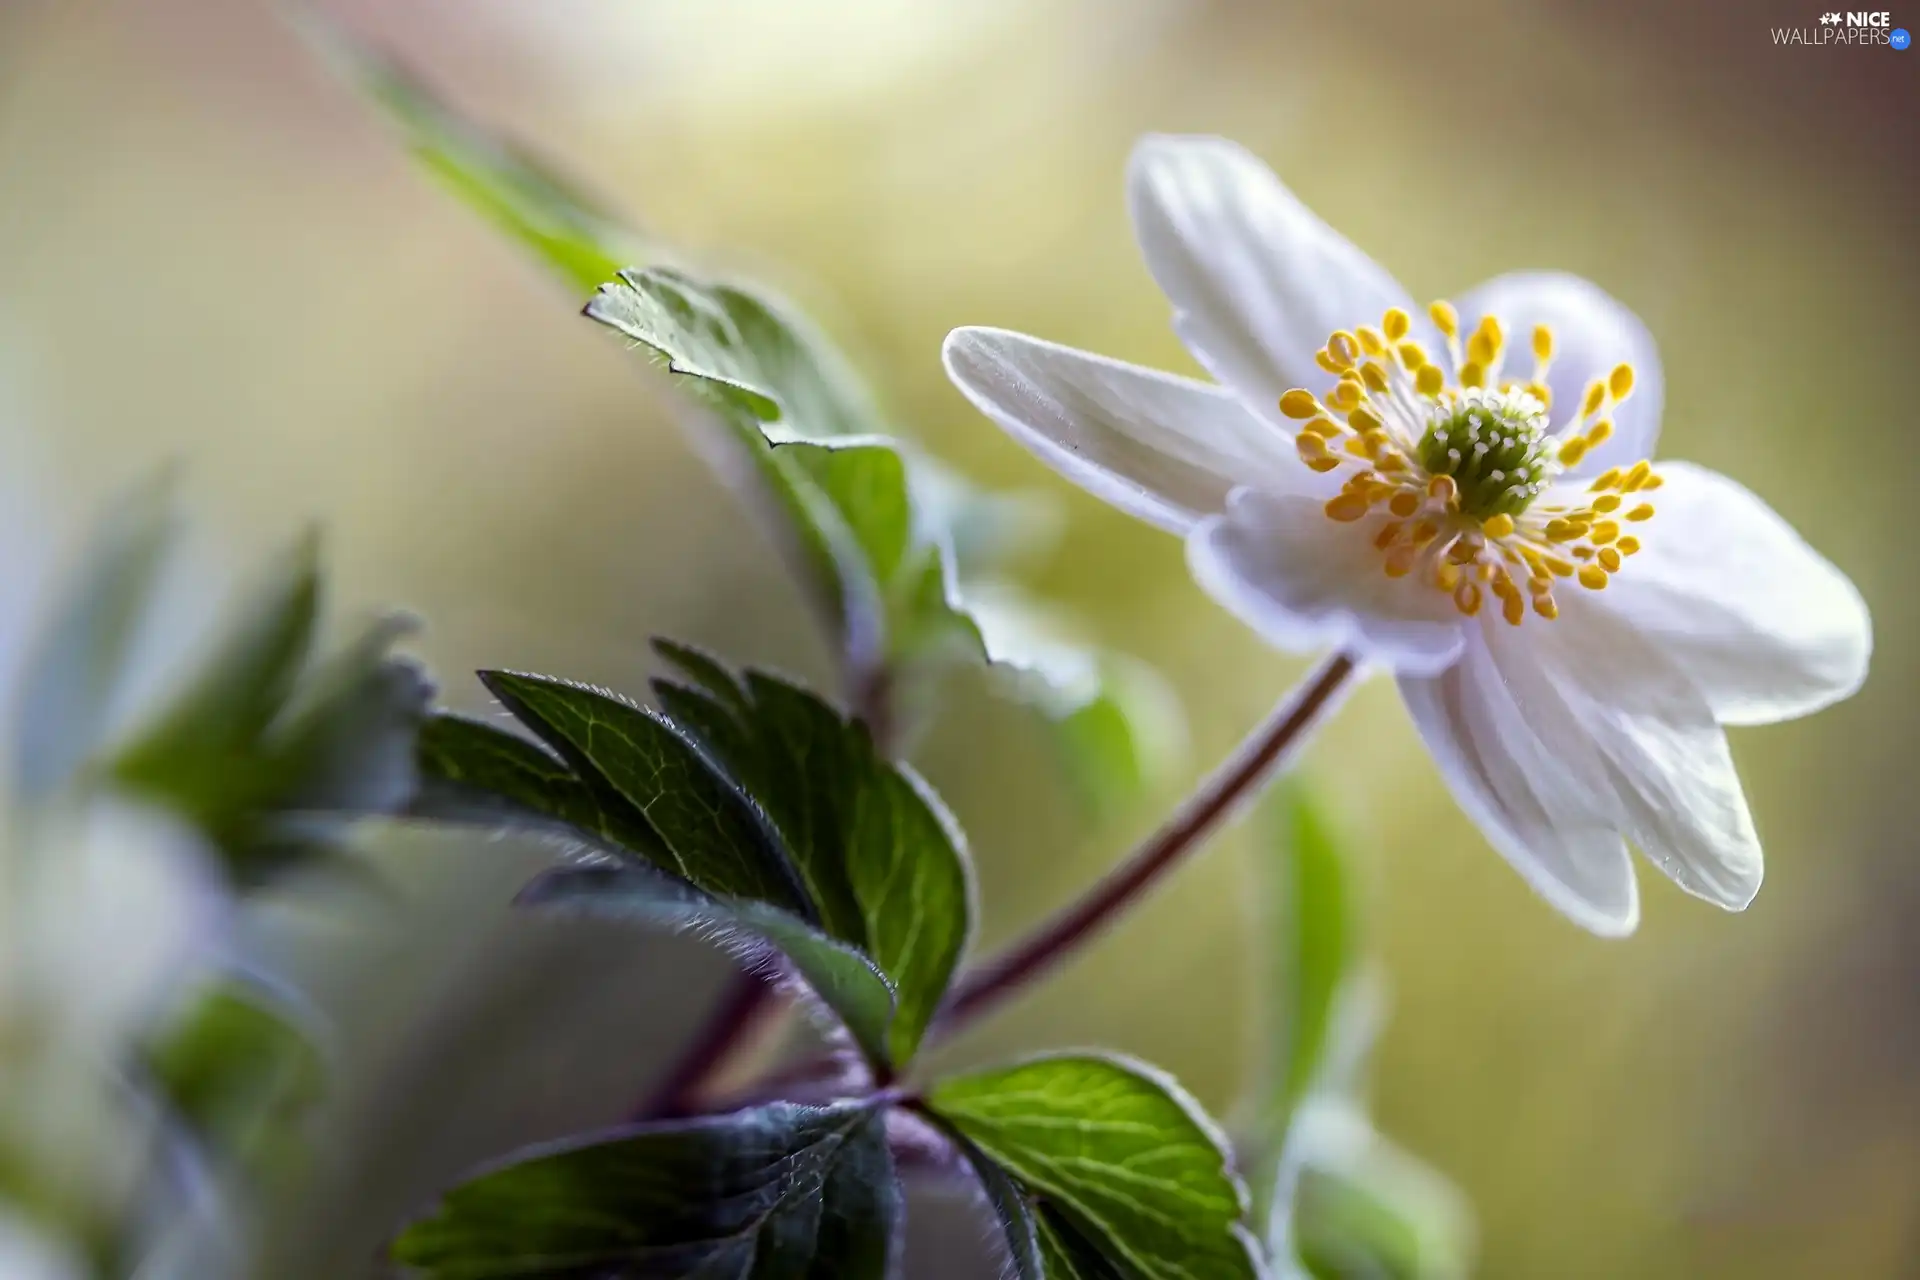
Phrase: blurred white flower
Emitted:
{"points": [[103, 904], [1570, 626], [103, 908], [29, 1253]]}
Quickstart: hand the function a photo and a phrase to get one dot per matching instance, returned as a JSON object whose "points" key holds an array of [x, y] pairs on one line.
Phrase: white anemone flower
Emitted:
{"points": [[1570, 624]]}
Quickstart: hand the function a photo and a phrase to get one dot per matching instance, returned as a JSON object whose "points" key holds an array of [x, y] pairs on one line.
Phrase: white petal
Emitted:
{"points": [[1306, 582], [1675, 791], [1612, 708], [1164, 448], [1592, 333], [1765, 626], [1540, 816], [1257, 281]]}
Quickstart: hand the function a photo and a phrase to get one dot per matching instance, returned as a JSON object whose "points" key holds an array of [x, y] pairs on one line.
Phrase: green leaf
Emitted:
{"points": [[515, 190], [874, 571], [1041, 1243], [75, 677], [1013, 1207], [872, 527], [201, 755], [1116, 723], [992, 531], [1124, 1158], [1313, 995], [776, 809], [1068, 1255], [710, 834], [241, 1073], [844, 979], [346, 738], [1370, 1211], [743, 350], [782, 1191], [1313, 933], [882, 858], [473, 772], [705, 672], [270, 753]]}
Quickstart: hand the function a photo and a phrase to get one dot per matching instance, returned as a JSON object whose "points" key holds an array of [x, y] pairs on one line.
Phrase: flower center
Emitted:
{"points": [[1445, 472], [1494, 445]]}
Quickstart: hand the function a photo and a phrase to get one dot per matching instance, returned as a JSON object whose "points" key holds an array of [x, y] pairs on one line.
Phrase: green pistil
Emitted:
{"points": [[1495, 451]]}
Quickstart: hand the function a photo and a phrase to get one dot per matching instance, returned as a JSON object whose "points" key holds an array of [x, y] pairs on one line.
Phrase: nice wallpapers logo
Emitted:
{"points": [[1848, 30]]}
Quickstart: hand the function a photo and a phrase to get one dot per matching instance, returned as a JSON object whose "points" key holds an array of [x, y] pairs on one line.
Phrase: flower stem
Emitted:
{"points": [[1218, 798], [747, 997]]}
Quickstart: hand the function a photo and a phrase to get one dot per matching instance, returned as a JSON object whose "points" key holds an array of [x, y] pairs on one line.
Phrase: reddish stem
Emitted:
{"points": [[741, 1006], [1237, 780]]}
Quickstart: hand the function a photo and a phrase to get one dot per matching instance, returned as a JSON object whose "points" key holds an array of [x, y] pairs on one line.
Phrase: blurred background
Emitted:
{"points": [[211, 250]]}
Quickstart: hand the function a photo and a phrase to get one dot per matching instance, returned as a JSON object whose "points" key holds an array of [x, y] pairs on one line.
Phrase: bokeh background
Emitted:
{"points": [[210, 249]]}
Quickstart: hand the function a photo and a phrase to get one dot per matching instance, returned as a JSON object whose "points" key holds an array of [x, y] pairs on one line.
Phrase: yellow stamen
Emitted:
{"points": [[1593, 577], [1347, 508], [1499, 526], [1642, 512], [1428, 380], [1395, 324], [1480, 348], [1404, 503], [1445, 319], [1299, 404], [1542, 343], [1620, 381]]}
